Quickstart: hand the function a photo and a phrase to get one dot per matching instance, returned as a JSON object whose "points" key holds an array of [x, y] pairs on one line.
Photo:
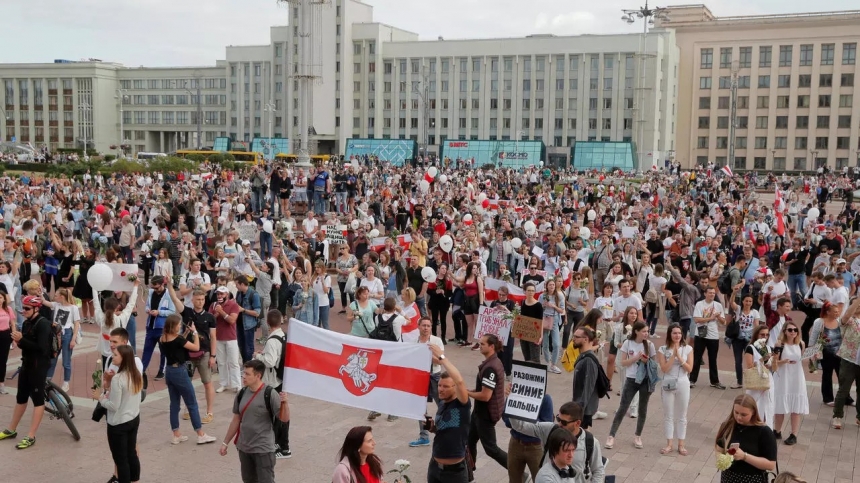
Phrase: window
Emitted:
{"points": [[761, 142], [704, 102], [356, 50], [827, 52], [743, 122], [740, 162], [785, 55], [707, 58], [741, 142], [841, 163], [784, 81], [704, 122], [744, 82], [592, 123], [725, 82], [802, 122], [779, 164], [846, 80], [800, 143], [723, 122], [824, 100], [806, 54], [476, 85], [592, 103], [702, 142], [722, 142], [725, 57], [759, 163], [723, 102], [763, 101], [764, 54], [559, 84], [822, 122], [804, 80], [705, 82], [800, 164], [782, 102], [821, 142], [628, 123], [846, 100], [803, 101], [761, 122], [844, 121], [607, 103], [764, 81], [782, 122], [843, 143], [780, 142], [825, 80], [743, 102], [745, 60], [539, 85], [849, 53]]}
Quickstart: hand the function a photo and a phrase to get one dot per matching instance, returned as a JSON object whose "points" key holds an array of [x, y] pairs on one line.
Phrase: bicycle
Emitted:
{"points": [[59, 405]]}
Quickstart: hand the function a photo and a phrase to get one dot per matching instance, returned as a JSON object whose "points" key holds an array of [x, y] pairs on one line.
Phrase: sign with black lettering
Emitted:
{"points": [[528, 385]]}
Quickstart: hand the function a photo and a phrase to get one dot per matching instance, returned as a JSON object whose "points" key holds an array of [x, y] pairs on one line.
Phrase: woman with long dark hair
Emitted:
{"points": [[750, 442], [358, 462], [122, 401], [440, 295], [473, 288], [636, 352], [676, 362]]}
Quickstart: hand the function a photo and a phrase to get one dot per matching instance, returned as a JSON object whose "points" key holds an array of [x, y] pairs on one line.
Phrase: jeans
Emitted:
{"points": [[345, 298], [439, 316], [152, 336], [66, 353], [456, 473], [738, 346], [257, 467], [319, 202], [573, 318], [699, 346], [127, 254], [422, 305], [522, 455], [460, 326], [849, 373], [122, 440], [631, 389], [481, 428], [686, 323], [531, 351], [131, 327], [651, 319], [324, 317], [675, 405], [831, 363], [179, 385], [340, 201], [796, 283], [507, 355], [265, 245], [229, 369], [551, 336], [245, 338]]}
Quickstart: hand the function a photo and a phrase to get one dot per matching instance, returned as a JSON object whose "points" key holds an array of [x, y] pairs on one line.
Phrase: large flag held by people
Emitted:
{"points": [[409, 332], [779, 209], [728, 171], [387, 377], [492, 286]]}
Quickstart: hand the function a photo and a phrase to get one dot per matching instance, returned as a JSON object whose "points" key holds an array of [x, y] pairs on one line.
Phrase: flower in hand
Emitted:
{"points": [[724, 461]]}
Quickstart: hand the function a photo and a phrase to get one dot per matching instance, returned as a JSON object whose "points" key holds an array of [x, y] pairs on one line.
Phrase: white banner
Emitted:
{"points": [[387, 377], [528, 385], [121, 271], [494, 321]]}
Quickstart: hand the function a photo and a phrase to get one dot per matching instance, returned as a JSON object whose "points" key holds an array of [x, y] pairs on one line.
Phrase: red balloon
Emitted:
{"points": [[100, 209], [428, 178], [485, 204]]}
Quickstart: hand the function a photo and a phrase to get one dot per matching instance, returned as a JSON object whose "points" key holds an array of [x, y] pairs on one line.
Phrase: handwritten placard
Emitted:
{"points": [[527, 328], [528, 386], [811, 352], [495, 321]]}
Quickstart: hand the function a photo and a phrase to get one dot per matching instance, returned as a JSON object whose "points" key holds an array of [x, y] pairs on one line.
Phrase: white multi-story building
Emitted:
{"points": [[372, 81]]}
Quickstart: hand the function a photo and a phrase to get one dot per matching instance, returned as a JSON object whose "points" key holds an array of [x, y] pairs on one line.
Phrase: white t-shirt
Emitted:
{"points": [[779, 289], [309, 225], [773, 336], [374, 287], [322, 296], [620, 304], [713, 309], [193, 281], [676, 370], [634, 349], [436, 369], [66, 315], [840, 296]]}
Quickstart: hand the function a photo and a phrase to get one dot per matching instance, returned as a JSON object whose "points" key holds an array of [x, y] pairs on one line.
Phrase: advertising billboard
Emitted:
{"points": [[514, 154], [270, 147], [395, 151], [599, 155]]}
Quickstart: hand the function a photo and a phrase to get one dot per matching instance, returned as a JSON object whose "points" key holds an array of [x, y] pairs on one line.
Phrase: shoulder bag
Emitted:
{"points": [[756, 378]]}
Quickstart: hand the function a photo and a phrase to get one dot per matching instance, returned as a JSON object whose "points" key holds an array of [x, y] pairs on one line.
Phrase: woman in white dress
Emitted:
{"points": [[789, 382], [753, 358]]}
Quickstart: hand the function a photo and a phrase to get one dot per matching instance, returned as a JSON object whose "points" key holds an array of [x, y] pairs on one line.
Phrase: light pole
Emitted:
{"points": [[84, 107], [814, 154], [270, 108], [647, 15], [199, 107], [120, 95], [424, 112]]}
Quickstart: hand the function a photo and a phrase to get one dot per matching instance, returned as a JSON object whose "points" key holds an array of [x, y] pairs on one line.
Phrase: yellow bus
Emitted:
{"points": [[240, 156], [317, 160]]}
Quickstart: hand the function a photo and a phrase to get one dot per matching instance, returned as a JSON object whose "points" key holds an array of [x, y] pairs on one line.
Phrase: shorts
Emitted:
{"points": [[284, 195], [202, 366], [613, 350], [470, 305], [31, 384], [300, 196]]}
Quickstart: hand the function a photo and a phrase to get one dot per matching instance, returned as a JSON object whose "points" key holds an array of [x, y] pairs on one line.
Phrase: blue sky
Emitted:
{"points": [[195, 32]]}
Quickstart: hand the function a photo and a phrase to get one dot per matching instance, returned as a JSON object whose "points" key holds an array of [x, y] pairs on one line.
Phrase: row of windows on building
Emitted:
{"points": [[182, 99], [209, 136], [556, 140], [765, 55], [803, 80], [779, 163], [165, 84], [779, 142], [23, 134], [782, 102], [215, 118], [763, 122], [506, 64], [527, 104], [474, 123], [38, 115]]}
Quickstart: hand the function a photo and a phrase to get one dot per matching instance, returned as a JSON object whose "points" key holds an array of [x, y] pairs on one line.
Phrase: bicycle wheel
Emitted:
{"points": [[64, 411], [65, 397]]}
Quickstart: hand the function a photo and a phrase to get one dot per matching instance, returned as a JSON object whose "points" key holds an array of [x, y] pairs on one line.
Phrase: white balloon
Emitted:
{"points": [[516, 243], [541, 164], [432, 171], [585, 232], [446, 243], [428, 274], [240, 208], [355, 224], [374, 233], [467, 217], [424, 185], [481, 197], [813, 214], [289, 226], [267, 226], [529, 226], [443, 178], [592, 215], [711, 232], [100, 277]]}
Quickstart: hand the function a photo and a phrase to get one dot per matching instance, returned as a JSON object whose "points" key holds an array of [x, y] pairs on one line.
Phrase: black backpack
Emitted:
{"points": [[724, 283], [279, 369], [279, 427], [384, 328], [589, 450], [602, 384]]}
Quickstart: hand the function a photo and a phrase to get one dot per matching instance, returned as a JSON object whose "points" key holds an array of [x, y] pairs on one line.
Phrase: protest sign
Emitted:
{"points": [[629, 232], [494, 321], [334, 235], [121, 272], [527, 328], [811, 351], [528, 386]]}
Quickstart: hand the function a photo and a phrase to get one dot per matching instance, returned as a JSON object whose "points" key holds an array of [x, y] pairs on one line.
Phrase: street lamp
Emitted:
{"points": [[270, 108], [648, 15], [84, 107], [424, 112], [814, 158], [199, 106], [121, 97]]}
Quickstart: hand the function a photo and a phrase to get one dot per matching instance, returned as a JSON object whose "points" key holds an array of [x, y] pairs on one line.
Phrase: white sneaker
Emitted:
{"points": [[600, 415], [205, 439], [633, 413], [65, 387], [221, 389], [3, 389]]}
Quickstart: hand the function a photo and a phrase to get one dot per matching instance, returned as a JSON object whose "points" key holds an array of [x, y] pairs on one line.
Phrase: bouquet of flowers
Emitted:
{"points": [[401, 467], [725, 460], [97, 374], [822, 343], [761, 347]]}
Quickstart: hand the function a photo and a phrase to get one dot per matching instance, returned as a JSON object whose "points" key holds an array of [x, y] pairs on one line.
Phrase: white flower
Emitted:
{"points": [[402, 465]]}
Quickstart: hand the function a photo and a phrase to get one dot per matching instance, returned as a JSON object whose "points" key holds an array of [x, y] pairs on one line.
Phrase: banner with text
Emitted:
{"points": [[494, 321], [528, 385]]}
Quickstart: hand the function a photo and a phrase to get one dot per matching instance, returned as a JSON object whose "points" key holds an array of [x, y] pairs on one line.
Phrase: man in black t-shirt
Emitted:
{"points": [[451, 425], [489, 396], [655, 246], [203, 360], [340, 190], [416, 281]]}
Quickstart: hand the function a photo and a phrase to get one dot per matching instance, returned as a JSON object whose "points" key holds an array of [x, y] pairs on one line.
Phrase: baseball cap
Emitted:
{"points": [[841, 260], [222, 289], [246, 242]]}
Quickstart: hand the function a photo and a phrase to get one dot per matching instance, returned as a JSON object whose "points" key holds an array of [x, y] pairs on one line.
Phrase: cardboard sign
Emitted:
{"points": [[527, 328], [629, 232], [495, 321], [334, 235], [528, 386], [537, 251], [121, 271], [811, 351]]}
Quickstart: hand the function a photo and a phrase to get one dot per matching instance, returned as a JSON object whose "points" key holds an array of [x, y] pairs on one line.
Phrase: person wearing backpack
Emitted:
{"points": [[588, 461], [388, 325], [272, 356], [37, 341], [587, 374]]}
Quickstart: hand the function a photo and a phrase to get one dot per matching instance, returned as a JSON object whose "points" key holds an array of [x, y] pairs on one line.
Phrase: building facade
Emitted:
{"points": [[767, 93]]}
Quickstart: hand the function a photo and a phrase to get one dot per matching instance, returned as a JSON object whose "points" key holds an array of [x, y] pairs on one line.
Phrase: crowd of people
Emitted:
{"points": [[636, 276]]}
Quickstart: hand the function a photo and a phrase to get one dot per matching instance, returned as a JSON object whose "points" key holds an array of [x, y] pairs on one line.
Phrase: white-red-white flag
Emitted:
{"points": [[779, 209], [728, 171], [492, 286], [387, 377], [409, 332]]}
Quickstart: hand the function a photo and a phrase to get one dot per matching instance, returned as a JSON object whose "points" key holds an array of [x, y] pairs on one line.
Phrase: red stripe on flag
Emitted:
{"points": [[324, 363]]}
